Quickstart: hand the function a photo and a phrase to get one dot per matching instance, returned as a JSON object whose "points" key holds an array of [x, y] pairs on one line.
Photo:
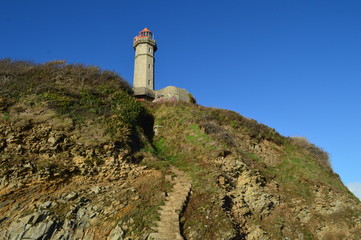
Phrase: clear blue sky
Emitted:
{"points": [[294, 65]]}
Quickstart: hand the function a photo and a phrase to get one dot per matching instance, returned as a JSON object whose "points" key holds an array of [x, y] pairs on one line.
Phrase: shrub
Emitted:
{"points": [[255, 130], [316, 153]]}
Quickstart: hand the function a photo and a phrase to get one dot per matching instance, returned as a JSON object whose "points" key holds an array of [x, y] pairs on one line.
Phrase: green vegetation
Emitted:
{"points": [[75, 91], [185, 145], [192, 137], [303, 167], [144, 213]]}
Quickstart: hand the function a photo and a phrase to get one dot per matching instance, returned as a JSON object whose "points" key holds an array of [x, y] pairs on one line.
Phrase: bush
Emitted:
{"points": [[316, 153], [219, 133], [255, 130]]}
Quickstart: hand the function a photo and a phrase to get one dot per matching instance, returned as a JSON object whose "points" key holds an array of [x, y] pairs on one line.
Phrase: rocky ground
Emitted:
{"points": [[78, 207], [252, 198]]}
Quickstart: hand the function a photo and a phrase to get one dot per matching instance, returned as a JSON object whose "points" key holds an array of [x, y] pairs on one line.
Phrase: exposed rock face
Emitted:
{"points": [[250, 198], [37, 225], [247, 196], [62, 182], [69, 211], [72, 211]]}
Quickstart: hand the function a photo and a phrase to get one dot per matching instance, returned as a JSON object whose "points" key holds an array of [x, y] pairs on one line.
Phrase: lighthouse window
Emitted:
{"points": [[148, 82], [148, 66], [150, 50]]}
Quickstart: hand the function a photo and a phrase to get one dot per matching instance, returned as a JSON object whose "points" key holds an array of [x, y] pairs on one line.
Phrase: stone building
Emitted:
{"points": [[143, 83]]}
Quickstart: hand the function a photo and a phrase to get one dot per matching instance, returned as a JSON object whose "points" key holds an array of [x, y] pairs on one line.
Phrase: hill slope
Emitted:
{"points": [[80, 158]]}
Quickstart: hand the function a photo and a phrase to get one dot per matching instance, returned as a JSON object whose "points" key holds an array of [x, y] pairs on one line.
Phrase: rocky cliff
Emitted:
{"points": [[81, 159]]}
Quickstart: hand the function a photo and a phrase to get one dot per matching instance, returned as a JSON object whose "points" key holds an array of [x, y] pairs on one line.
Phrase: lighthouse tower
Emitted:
{"points": [[143, 82]]}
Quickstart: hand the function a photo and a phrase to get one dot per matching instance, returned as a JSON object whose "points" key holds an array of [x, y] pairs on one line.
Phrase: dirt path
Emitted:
{"points": [[168, 227]]}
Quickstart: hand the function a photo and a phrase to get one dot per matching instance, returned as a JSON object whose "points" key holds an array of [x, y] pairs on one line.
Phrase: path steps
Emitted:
{"points": [[168, 228]]}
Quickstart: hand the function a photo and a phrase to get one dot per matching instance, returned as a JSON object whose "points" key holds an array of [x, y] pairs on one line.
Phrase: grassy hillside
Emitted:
{"points": [[75, 91], [68, 129], [226, 153]]}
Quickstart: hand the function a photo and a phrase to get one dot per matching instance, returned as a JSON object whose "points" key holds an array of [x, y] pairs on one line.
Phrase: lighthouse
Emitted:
{"points": [[143, 83]]}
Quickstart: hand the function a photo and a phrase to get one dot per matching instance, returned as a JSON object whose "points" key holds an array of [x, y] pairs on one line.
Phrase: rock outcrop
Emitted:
{"points": [[59, 181]]}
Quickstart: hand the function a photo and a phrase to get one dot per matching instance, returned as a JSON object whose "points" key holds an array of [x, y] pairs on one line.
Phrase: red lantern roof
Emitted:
{"points": [[145, 34], [145, 30]]}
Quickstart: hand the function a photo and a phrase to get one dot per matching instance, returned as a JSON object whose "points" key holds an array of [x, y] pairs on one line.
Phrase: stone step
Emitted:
{"points": [[183, 183], [172, 210], [167, 207], [170, 218], [166, 224], [173, 205], [165, 236], [168, 212], [176, 205], [182, 180], [180, 188], [168, 228], [186, 185], [181, 194], [178, 196], [175, 200]]}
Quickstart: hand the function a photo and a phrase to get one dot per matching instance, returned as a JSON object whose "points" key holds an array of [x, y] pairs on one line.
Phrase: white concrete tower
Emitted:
{"points": [[145, 47]]}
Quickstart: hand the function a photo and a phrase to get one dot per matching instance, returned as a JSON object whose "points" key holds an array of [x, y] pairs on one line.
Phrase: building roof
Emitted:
{"points": [[145, 30]]}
